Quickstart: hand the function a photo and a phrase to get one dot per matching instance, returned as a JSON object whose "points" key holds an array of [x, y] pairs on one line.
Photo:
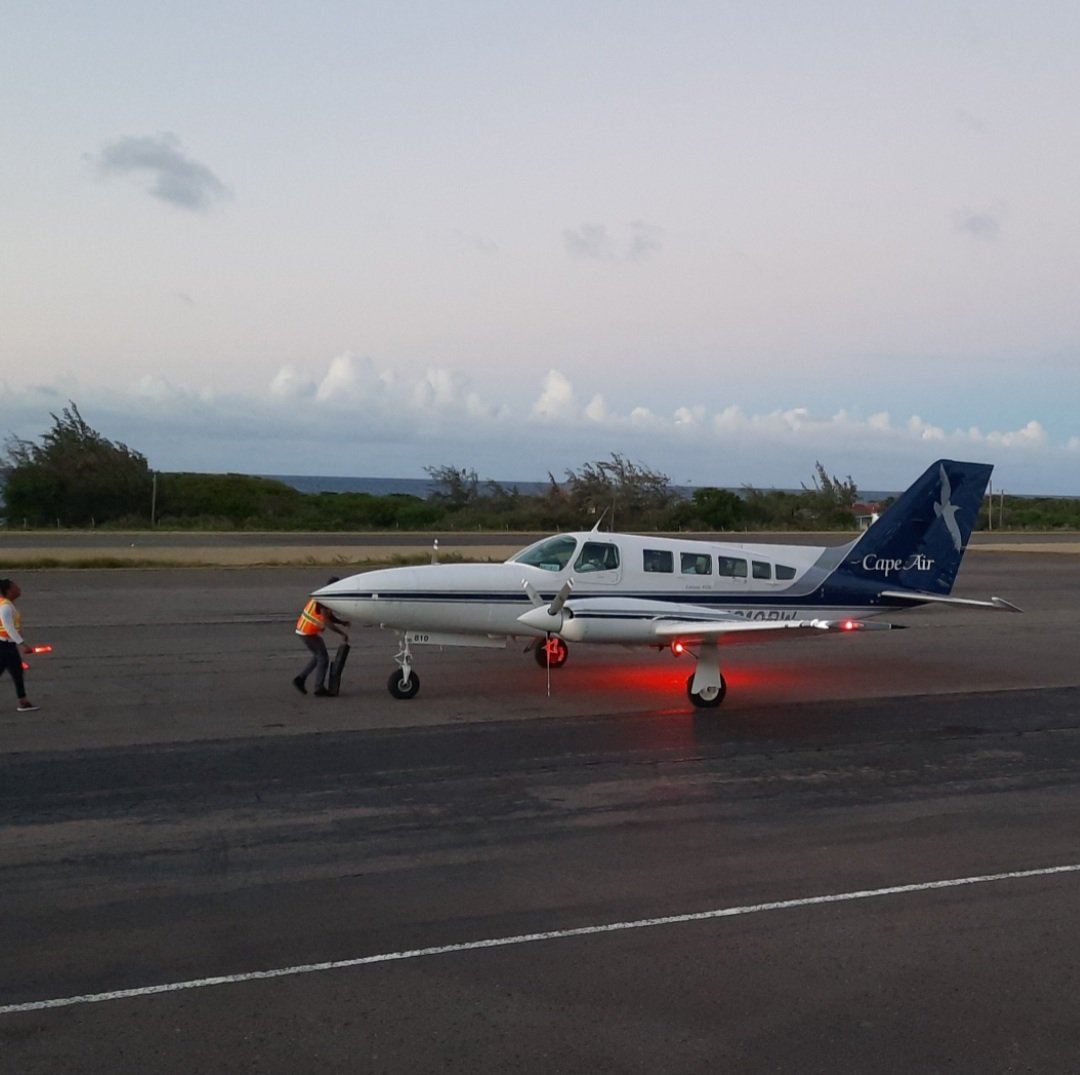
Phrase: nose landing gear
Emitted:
{"points": [[552, 653], [404, 683]]}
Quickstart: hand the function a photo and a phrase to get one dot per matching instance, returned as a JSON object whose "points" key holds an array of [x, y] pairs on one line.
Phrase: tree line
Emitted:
{"points": [[75, 477]]}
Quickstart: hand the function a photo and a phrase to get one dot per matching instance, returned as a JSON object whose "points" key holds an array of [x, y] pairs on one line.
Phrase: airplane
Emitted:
{"points": [[686, 595]]}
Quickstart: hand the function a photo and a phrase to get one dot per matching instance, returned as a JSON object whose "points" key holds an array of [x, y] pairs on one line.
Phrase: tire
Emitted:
{"points": [[558, 657], [707, 699], [395, 685]]}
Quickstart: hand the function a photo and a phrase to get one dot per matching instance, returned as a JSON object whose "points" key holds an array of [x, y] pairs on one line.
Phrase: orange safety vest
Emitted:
{"points": [[312, 620], [18, 620]]}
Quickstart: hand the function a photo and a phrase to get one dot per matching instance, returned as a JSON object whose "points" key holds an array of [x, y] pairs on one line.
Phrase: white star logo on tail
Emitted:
{"points": [[947, 511]]}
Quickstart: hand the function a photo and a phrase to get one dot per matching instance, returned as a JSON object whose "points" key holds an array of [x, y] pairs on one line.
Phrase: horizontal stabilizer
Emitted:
{"points": [[917, 597]]}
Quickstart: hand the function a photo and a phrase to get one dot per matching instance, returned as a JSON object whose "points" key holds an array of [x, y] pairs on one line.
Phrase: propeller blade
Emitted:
{"points": [[545, 617], [560, 598]]}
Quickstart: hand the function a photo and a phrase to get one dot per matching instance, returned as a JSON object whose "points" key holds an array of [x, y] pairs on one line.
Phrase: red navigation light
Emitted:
{"points": [[851, 625], [678, 648]]}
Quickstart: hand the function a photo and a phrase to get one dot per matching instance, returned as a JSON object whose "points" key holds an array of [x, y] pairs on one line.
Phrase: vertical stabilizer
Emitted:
{"points": [[919, 542]]}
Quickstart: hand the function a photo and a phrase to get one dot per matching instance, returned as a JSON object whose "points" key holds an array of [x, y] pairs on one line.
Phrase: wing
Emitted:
{"points": [[761, 630], [630, 620], [688, 631]]}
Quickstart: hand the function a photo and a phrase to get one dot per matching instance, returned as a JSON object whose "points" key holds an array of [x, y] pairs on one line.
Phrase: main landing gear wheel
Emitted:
{"points": [[710, 697], [552, 653], [399, 689]]}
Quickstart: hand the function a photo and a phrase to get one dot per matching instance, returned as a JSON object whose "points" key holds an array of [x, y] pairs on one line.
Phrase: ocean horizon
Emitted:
{"points": [[419, 487], [424, 487]]}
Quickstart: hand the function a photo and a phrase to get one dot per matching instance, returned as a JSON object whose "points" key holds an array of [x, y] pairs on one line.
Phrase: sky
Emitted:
{"points": [[725, 240]]}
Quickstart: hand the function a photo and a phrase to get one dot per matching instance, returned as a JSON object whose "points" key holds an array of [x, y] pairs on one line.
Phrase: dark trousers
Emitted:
{"points": [[11, 661], [320, 659]]}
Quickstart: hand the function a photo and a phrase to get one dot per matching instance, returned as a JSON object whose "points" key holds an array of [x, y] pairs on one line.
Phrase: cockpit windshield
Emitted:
{"points": [[551, 554]]}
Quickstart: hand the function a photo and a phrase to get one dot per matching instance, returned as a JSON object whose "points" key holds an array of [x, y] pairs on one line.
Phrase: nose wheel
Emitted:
{"points": [[404, 683], [400, 687], [552, 653]]}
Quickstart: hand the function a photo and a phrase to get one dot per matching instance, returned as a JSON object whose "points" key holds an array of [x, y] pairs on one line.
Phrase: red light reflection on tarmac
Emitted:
{"points": [[661, 681]]}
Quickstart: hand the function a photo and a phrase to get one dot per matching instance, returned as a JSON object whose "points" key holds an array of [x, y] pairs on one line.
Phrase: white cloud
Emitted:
{"points": [[797, 418], [1032, 434], [350, 380], [597, 410], [923, 430], [437, 389], [288, 383], [354, 418], [556, 399], [689, 416], [156, 389], [728, 420]]}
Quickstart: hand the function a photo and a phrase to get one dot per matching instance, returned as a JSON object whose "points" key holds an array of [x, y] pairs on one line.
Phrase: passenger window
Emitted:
{"points": [[597, 556], [731, 567], [761, 569], [783, 572], [662, 560], [694, 563]]}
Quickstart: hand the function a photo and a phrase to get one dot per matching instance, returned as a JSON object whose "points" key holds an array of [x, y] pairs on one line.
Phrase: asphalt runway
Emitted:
{"points": [[867, 860]]}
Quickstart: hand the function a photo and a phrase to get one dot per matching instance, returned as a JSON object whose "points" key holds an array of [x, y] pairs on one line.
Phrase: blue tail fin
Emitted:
{"points": [[919, 542]]}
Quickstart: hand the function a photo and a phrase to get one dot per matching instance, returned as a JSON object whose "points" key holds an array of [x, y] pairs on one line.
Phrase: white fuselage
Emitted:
{"points": [[629, 583]]}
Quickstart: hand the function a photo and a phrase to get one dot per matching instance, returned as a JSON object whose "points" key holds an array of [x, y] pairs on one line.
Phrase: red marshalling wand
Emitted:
{"points": [[37, 649]]}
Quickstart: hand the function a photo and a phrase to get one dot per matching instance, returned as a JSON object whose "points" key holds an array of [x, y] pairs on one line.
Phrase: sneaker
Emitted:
{"points": [[298, 683], [322, 692], [27, 707]]}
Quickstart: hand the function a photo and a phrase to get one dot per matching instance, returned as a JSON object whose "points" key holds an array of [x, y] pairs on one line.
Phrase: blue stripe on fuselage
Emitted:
{"points": [[868, 598]]}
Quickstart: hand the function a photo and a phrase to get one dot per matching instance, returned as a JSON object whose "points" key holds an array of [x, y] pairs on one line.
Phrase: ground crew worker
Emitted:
{"points": [[310, 626], [12, 641]]}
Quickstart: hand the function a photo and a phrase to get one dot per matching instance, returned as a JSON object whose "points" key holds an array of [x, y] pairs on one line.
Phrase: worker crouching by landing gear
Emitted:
{"points": [[313, 621]]}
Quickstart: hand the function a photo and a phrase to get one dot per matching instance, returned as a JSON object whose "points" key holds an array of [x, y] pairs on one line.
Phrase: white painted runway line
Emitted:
{"points": [[529, 938]]}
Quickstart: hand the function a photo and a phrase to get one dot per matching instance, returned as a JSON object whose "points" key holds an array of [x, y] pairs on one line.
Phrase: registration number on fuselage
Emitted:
{"points": [[770, 614], [449, 638]]}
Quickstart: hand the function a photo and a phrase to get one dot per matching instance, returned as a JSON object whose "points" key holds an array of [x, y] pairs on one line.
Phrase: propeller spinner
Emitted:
{"points": [[548, 618]]}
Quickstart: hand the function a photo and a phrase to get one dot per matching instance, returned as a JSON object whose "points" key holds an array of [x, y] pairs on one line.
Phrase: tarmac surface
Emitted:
{"points": [[867, 860]]}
